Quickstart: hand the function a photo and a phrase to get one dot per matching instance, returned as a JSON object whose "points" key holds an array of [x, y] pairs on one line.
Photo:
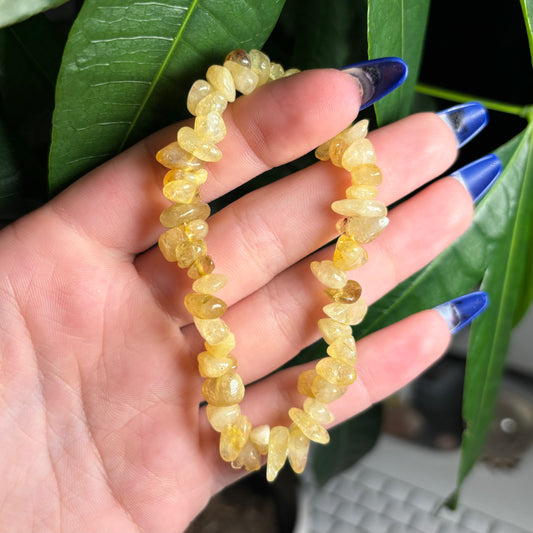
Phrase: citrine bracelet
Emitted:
{"points": [[363, 217]]}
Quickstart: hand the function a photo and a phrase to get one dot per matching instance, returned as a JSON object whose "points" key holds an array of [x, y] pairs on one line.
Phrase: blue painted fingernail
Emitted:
{"points": [[465, 120], [479, 176], [461, 311], [377, 77]]}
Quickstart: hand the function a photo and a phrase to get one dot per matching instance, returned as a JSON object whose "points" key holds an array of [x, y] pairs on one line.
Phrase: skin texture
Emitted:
{"points": [[100, 428]]}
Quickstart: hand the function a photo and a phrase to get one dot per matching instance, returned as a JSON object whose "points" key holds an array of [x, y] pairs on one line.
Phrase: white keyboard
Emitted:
{"points": [[364, 500]]}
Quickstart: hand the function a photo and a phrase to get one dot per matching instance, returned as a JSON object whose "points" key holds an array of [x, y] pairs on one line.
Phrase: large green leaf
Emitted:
{"points": [[12, 11], [491, 334], [127, 68], [397, 29]]}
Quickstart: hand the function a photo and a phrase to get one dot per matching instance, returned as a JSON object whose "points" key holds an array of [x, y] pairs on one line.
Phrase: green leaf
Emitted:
{"points": [[350, 441], [397, 29], [128, 66], [527, 10], [490, 335], [12, 11]]}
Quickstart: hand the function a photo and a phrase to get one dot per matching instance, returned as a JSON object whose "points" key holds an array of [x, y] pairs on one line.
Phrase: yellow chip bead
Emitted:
{"points": [[220, 78], [190, 141], [343, 348], [260, 436], [349, 254], [201, 267], [210, 127], [174, 156], [310, 427], [223, 347], [214, 367], [332, 329], [276, 71], [245, 79], [360, 152], [351, 314], [336, 371], [318, 411], [329, 274], [340, 143], [198, 91], [361, 192], [368, 174], [349, 294], [233, 437], [305, 382], [361, 229], [249, 458], [260, 65], [179, 214], [212, 330], [210, 283], [326, 392], [204, 306], [168, 242], [189, 251], [212, 103], [361, 208], [224, 390], [298, 449], [277, 451], [181, 191], [198, 176], [220, 417]]}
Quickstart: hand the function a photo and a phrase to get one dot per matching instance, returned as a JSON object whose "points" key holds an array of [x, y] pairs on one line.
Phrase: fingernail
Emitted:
{"points": [[377, 77], [479, 176], [465, 120], [461, 311]]}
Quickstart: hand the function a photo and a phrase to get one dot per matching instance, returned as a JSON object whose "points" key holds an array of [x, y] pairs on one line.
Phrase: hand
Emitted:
{"points": [[100, 425]]}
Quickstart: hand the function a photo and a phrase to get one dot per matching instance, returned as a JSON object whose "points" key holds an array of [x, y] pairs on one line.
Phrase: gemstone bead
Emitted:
{"points": [[361, 192], [190, 141], [174, 156], [181, 191], [336, 371], [310, 427], [249, 458], [331, 329], [318, 411], [179, 214], [362, 229], [210, 283], [260, 65], [298, 449], [220, 417], [210, 127], [343, 348], [245, 79], [360, 152], [212, 330], [276, 71], [341, 142], [201, 267], [241, 57], [199, 90], [277, 451], [361, 208], [223, 347], [326, 392], [169, 240], [368, 174], [291, 72], [220, 78], [260, 436], [204, 306], [233, 437], [349, 294], [197, 176], [328, 274], [352, 314], [214, 367], [305, 382], [188, 252], [227, 389], [212, 103], [349, 254]]}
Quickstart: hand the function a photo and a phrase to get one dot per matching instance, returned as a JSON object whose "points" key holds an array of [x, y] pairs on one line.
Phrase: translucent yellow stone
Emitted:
{"points": [[276, 71], [212, 103], [220, 78], [204, 305], [336, 371], [245, 79], [168, 242], [196, 229], [174, 156], [179, 214], [341, 142], [227, 389], [210, 283], [328, 274], [291, 72], [201, 267], [249, 458], [260, 65], [332, 330], [241, 57], [277, 451], [298, 449], [360, 152], [210, 127], [198, 176], [220, 417], [233, 437], [361, 192], [322, 152], [352, 314], [305, 382], [223, 347], [190, 141], [260, 436], [326, 392], [362, 229], [181, 191], [318, 411], [199, 90], [368, 174], [361, 208], [349, 294], [188, 252], [349, 254], [310, 427], [214, 367], [343, 348], [212, 330]]}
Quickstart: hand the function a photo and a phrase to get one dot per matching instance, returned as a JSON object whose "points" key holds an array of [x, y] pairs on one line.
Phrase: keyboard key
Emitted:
{"points": [[376, 523], [425, 523], [476, 522], [424, 500], [399, 512]]}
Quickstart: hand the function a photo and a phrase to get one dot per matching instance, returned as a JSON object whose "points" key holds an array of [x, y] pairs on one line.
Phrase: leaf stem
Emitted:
{"points": [[525, 111]]}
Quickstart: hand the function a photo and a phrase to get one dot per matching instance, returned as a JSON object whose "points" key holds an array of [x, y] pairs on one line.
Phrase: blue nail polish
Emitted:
{"points": [[461, 311], [465, 120], [479, 176], [378, 77]]}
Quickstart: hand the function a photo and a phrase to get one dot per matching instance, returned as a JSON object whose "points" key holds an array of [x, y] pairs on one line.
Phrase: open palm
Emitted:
{"points": [[99, 391]]}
